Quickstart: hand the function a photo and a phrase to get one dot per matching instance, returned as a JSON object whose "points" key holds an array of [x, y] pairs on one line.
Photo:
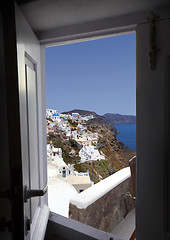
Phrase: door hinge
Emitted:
{"points": [[27, 225]]}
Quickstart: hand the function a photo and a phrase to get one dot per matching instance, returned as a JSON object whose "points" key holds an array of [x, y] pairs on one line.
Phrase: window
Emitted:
{"points": [[98, 160]]}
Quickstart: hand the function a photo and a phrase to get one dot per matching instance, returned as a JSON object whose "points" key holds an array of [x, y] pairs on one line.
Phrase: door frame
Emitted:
{"points": [[16, 228]]}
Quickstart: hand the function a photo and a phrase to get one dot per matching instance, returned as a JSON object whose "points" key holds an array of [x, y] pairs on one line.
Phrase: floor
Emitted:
{"points": [[125, 228]]}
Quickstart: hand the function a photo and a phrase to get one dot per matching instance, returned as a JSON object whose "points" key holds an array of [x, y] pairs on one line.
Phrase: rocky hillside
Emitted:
{"points": [[107, 117], [97, 118], [81, 112], [116, 153], [119, 119]]}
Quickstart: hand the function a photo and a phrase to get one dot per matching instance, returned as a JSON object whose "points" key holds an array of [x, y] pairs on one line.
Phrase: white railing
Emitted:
{"points": [[105, 204], [92, 194]]}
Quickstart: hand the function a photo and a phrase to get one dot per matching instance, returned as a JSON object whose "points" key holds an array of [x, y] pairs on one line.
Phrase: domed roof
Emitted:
{"points": [[56, 114]]}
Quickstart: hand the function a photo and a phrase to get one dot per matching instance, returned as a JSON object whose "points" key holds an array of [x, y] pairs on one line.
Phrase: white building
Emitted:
{"points": [[90, 153], [75, 115], [54, 156], [80, 183], [63, 169], [74, 134], [55, 117], [86, 118], [50, 112], [82, 128], [68, 130], [84, 140], [53, 152], [50, 127], [59, 192], [65, 116], [62, 125]]}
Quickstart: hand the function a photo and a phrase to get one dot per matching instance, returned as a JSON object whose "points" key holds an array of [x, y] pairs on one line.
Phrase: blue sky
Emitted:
{"points": [[98, 75]]}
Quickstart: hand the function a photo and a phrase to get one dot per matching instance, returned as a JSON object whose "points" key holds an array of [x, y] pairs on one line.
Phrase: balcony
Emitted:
{"points": [[104, 211], [105, 204]]}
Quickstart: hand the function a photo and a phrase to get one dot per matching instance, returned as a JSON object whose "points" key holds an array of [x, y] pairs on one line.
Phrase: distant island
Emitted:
{"points": [[120, 119], [109, 117]]}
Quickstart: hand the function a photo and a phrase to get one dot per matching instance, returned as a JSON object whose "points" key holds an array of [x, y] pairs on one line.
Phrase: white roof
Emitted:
{"points": [[59, 194], [76, 180], [49, 109], [90, 195], [48, 147], [89, 149], [56, 150], [58, 161], [86, 118], [52, 170], [84, 138]]}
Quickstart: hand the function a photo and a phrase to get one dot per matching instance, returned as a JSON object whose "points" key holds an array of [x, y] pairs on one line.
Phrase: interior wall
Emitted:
{"points": [[11, 174], [5, 208], [151, 133]]}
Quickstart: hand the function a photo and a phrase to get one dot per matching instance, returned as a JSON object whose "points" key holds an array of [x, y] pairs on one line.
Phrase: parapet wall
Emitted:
{"points": [[106, 203]]}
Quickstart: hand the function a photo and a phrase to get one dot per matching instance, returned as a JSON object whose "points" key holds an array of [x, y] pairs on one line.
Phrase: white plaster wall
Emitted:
{"points": [[80, 186]]}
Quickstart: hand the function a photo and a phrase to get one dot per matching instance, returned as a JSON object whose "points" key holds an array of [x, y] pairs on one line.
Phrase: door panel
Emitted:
{"points": [[31, 94], [31, 103]]}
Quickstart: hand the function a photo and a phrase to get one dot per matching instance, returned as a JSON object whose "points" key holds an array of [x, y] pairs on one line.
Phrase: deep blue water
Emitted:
{"points": [[127, 135]]}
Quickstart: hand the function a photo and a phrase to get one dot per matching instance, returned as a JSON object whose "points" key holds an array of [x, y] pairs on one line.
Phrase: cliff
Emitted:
{"points": [[107, 117], [96, 118], [120, 119], [116, 153]]}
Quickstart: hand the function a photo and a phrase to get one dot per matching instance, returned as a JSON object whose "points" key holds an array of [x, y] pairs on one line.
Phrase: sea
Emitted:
{"points": [[127, 135]]}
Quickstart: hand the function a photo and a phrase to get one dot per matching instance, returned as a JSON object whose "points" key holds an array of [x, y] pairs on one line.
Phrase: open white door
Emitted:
{"points": [[36, 211]]}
